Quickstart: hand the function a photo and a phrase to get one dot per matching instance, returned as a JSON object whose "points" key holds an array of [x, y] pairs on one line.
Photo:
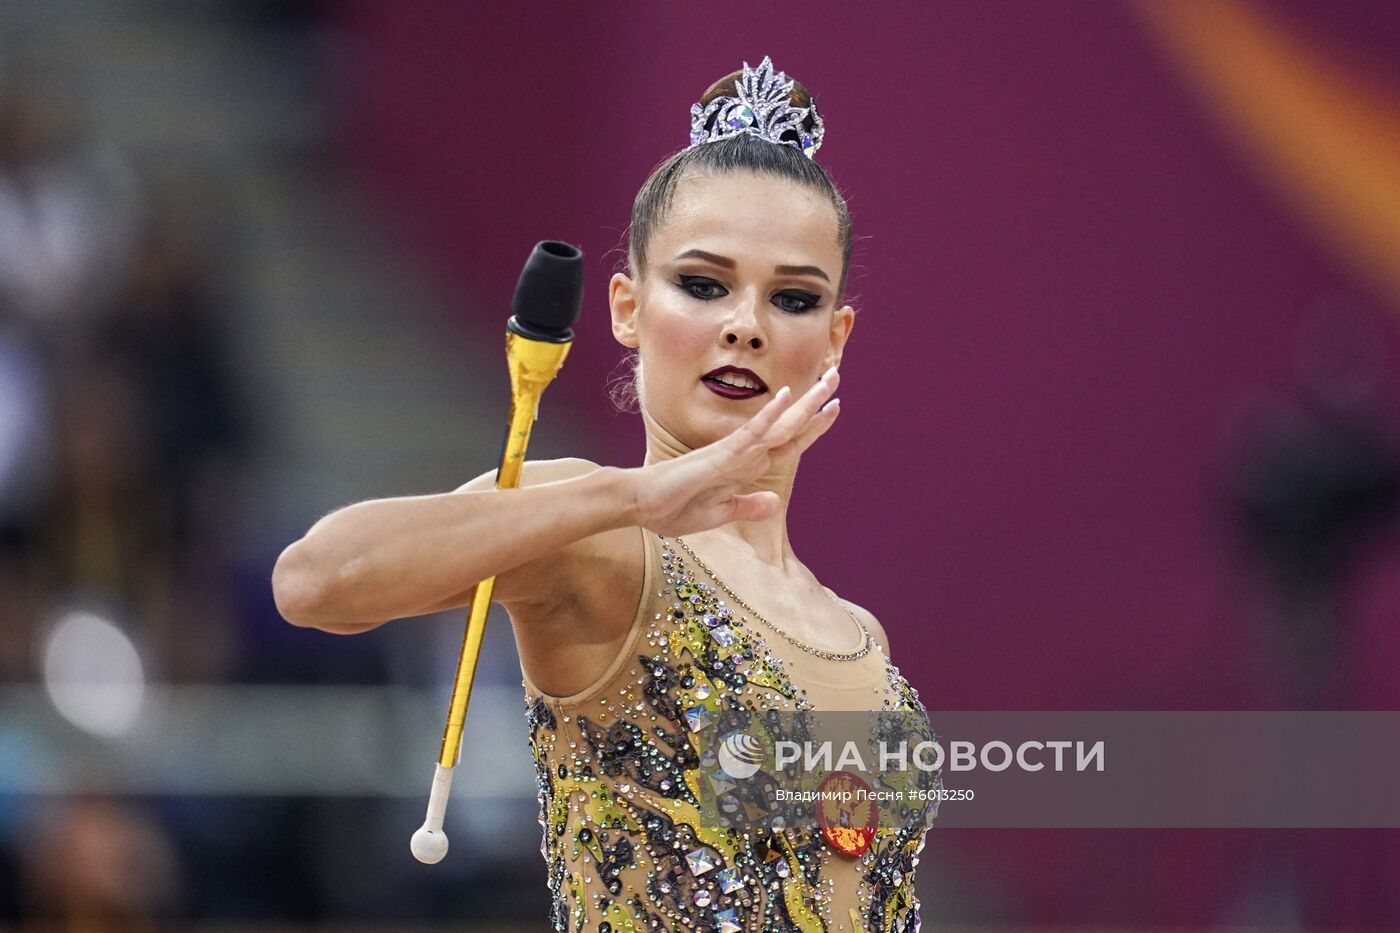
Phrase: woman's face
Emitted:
{"points": [[742, 273]]}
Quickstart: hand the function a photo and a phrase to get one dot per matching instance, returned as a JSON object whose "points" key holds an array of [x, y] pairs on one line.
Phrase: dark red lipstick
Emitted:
{"points": [[746, 383]]}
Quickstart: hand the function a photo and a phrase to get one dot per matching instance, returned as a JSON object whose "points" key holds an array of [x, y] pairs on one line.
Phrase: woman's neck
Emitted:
{"points": [[765, 540]]}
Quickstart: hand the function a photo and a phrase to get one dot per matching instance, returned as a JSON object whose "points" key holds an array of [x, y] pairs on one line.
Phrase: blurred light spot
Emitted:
{"points": [[93, 674], [21, 417]]}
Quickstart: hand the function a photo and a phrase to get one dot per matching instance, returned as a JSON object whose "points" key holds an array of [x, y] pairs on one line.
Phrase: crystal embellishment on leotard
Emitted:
{"points": [[621, 775], [698, 717], [700, 861]]}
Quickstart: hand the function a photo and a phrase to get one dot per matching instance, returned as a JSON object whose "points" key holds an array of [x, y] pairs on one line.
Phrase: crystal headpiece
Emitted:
{"points": [[762, 108]]}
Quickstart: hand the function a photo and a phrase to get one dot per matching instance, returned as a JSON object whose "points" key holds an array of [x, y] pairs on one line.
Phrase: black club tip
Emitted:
{"points": [[549, 295]]}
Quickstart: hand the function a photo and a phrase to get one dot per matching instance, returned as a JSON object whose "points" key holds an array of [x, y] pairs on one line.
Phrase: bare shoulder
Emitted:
{"points": [[867, 618], [572, 609]]}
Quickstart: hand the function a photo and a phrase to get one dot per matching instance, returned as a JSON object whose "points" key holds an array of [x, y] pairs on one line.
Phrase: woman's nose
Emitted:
{"points": [[744, 327]]}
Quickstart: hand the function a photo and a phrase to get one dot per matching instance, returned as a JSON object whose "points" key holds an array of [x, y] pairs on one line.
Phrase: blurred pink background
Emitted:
{"points": [[1121, 405]]}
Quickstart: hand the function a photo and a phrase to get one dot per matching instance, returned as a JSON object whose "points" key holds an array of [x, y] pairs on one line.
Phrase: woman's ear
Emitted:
{"points": [[841, 323], [622, 304]]}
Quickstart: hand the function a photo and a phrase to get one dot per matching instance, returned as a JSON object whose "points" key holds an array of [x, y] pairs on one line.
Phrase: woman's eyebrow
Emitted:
{"points": [[708, 257], [728, 263], [801, 270]]}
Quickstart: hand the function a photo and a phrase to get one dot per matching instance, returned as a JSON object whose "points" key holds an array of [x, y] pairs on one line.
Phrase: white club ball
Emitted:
{"points": [[428, 846]]}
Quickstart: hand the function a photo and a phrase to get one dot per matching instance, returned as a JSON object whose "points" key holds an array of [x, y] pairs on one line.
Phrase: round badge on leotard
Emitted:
{"points": [[846, 812]]}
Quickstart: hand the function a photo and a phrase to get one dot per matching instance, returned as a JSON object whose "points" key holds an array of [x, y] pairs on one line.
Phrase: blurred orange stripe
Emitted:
{"points": [[1329, 135]]}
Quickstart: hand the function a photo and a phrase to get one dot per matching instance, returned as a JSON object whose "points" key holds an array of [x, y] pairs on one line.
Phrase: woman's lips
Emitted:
{"points": [[728, 391]]}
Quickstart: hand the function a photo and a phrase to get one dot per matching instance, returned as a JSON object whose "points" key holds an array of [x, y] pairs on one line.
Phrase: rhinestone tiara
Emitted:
{"points": [[762, 108]]}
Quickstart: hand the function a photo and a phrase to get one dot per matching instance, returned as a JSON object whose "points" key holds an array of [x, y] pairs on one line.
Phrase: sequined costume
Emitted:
{"points": [[624, 844]]}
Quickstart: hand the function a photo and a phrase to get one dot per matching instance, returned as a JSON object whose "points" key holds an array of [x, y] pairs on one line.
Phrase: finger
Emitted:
{"points": [[815, 397], [797, 418], [759, 425], [754, 506], [820, 423]]}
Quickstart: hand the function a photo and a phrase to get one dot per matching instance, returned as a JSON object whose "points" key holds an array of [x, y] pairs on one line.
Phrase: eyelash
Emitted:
{"points": [[688, 283]]}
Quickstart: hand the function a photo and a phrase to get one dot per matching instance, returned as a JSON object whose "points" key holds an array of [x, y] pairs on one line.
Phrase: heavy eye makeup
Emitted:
{"points": [[704, 288]]}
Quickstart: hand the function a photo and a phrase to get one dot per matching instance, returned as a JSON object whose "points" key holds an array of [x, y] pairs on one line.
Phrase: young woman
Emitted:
{"points": [[649, 603]]}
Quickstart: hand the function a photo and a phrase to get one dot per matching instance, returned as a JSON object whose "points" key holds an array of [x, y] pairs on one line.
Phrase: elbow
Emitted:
{"points": [[305, 596], [305, 593], [295, 589]]}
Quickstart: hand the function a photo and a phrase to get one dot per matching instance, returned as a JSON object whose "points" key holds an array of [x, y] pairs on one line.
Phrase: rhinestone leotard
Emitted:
{"points": [[617, 767]]}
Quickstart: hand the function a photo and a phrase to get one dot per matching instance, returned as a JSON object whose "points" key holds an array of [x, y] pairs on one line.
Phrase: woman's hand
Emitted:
{"points": [[701, 489]]}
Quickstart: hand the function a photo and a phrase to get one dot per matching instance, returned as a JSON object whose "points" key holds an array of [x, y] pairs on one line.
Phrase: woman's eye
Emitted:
{"points": [[795, 301], [702, 288]]}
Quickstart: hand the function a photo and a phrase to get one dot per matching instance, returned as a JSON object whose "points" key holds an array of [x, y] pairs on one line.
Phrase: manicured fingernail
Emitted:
{"points": [[834, 403], [784, 392]]}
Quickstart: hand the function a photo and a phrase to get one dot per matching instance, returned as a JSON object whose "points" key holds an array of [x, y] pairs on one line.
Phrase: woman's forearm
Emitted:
{"points": [[390, 558]]}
